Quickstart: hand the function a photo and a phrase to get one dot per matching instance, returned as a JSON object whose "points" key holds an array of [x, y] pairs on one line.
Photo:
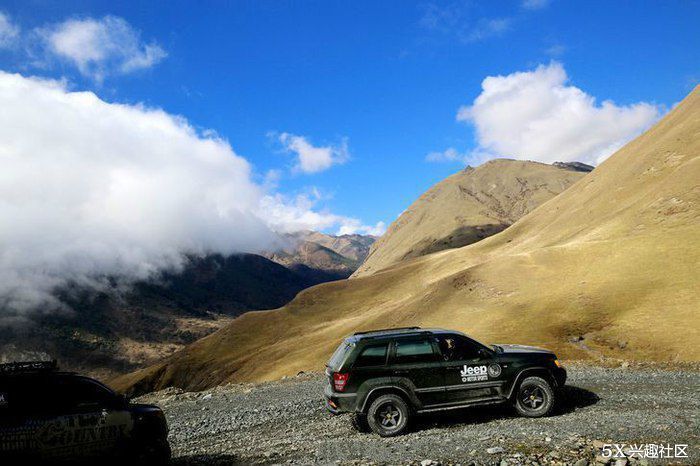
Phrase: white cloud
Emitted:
{"points": [[100, 47], [299, 213], [487, 28], [457, 19], [535, 4], [537, 115], [449, 155], [556, 50], [90, 189], [312, 159], [9, 32], [355, 227]]}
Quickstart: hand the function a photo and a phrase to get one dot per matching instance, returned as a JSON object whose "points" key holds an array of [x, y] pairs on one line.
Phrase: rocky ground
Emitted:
{"points": [[285, 422]]}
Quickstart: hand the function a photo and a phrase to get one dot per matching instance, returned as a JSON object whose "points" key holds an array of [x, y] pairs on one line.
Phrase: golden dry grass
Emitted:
{"points": [[466, 207], [614, 259]]}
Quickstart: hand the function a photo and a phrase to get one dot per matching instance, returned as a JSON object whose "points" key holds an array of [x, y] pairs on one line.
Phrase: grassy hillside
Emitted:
{"points": [[608, 267], [468, 207]]}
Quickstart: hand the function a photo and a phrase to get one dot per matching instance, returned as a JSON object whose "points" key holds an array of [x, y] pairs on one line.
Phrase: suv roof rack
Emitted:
{"points": [[386, 330], [28, 366]]}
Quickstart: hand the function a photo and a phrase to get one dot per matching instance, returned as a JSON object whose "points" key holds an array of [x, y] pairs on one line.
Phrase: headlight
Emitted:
{"points": [[557, 363]]}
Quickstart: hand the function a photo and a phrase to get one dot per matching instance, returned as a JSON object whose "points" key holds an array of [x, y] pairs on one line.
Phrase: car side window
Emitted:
{"points": [[77, 393], [414, 351], [457, 348], [372, 356]]}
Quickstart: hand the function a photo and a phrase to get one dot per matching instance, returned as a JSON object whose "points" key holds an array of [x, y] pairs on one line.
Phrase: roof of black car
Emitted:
{"points": [[33, 368], [389, 332]]}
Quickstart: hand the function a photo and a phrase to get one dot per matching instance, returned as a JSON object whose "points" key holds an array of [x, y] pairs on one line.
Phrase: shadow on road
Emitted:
{"points": [[209, 460], [571, 399]]}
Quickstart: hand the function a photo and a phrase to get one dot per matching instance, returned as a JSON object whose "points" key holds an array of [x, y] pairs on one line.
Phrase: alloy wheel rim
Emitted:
{"points": [[388, 416], [532, 397]]}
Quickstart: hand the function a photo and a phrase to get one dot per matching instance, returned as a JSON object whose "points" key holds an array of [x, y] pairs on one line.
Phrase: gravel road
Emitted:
{"points": [[284, 422]]}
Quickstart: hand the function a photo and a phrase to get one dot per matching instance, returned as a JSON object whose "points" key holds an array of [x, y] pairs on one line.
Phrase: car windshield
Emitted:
{"points": [[340, 354]]}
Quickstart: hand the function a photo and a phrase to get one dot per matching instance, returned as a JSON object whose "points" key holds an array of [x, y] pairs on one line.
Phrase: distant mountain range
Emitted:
{"points": [[118, 330], [320, 256], [608, 268]]}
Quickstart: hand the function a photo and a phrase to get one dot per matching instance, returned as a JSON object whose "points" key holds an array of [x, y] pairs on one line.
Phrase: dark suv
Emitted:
{"points": [[385, 376], [49, 416]]}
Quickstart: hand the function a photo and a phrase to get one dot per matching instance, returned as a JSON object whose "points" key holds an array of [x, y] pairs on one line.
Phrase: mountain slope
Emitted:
{"points": [[322, 257], [118, 330], [608, 267], [468, 207]]}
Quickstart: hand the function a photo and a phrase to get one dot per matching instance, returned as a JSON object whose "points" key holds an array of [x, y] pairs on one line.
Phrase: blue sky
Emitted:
{"points": [[386, 78]]}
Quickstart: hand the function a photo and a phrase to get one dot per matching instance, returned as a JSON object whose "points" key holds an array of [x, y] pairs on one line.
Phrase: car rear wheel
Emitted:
{"points": [[535, 397], [388, 415]]}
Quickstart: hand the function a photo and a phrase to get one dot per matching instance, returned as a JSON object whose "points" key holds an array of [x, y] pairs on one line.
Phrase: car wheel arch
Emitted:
{"points": [[376, 392], [531, 372]]}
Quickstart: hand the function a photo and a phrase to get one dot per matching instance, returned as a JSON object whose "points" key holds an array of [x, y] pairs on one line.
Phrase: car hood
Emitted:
{"points": [[510, 349], [143, 408]]}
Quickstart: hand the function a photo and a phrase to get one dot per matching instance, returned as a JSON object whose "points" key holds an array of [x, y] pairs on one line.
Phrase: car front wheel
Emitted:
{"points": [[388, 415], [535, 397]]}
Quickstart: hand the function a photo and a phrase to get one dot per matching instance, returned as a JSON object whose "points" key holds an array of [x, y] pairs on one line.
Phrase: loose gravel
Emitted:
{"points": [[285, 422]]}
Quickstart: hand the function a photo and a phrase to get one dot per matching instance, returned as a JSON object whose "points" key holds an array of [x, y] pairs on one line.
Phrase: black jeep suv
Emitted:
{"points": [[385, 376], [48, 416]]}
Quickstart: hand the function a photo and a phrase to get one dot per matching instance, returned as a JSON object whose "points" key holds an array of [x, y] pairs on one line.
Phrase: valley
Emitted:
{"points": [[121, 328]]}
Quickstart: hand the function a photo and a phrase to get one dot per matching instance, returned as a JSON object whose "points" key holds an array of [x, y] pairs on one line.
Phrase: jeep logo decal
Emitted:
{"points": [[474, 373]]}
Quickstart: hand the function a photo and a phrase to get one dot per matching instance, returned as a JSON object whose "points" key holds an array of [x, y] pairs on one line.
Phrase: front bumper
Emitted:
{"points": [[559, 375], [338, 403]]}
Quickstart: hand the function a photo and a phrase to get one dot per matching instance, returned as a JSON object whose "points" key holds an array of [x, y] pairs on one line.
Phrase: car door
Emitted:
{"points": [[472, 371], [88, 419], [415, 362]]}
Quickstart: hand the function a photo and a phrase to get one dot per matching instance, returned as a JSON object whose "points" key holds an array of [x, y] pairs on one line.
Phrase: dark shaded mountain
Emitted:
{"points": [[121, 328]]}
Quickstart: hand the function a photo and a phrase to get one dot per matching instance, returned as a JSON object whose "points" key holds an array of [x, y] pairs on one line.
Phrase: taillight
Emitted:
{"points": [[340, 381]]}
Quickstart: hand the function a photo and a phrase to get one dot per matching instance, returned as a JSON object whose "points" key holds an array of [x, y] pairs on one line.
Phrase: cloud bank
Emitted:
{"points": [[91, 189], [537, 115], [100, 47]]}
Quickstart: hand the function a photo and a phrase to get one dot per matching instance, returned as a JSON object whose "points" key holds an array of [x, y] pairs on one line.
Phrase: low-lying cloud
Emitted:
{"points": [[538, 115], [91, 189]]}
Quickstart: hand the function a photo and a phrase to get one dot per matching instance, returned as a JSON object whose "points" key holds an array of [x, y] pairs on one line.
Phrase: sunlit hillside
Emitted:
{"points": [[609, 267]]}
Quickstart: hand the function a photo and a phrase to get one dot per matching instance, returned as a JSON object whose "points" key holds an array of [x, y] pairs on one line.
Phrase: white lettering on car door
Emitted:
{"points": [[474, 373]]}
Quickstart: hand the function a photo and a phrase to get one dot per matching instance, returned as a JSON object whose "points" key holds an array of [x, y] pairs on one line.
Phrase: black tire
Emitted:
{"points": [[359, 422], [388, 416], [535, 397]]}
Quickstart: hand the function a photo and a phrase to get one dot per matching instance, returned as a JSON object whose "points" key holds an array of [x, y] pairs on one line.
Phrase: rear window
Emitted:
{"points": [[414, 351], [372, 356], [340, 354]]}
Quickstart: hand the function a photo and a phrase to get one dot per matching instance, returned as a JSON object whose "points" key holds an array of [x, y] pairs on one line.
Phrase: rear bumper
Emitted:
{"points": [[338, 403]]}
